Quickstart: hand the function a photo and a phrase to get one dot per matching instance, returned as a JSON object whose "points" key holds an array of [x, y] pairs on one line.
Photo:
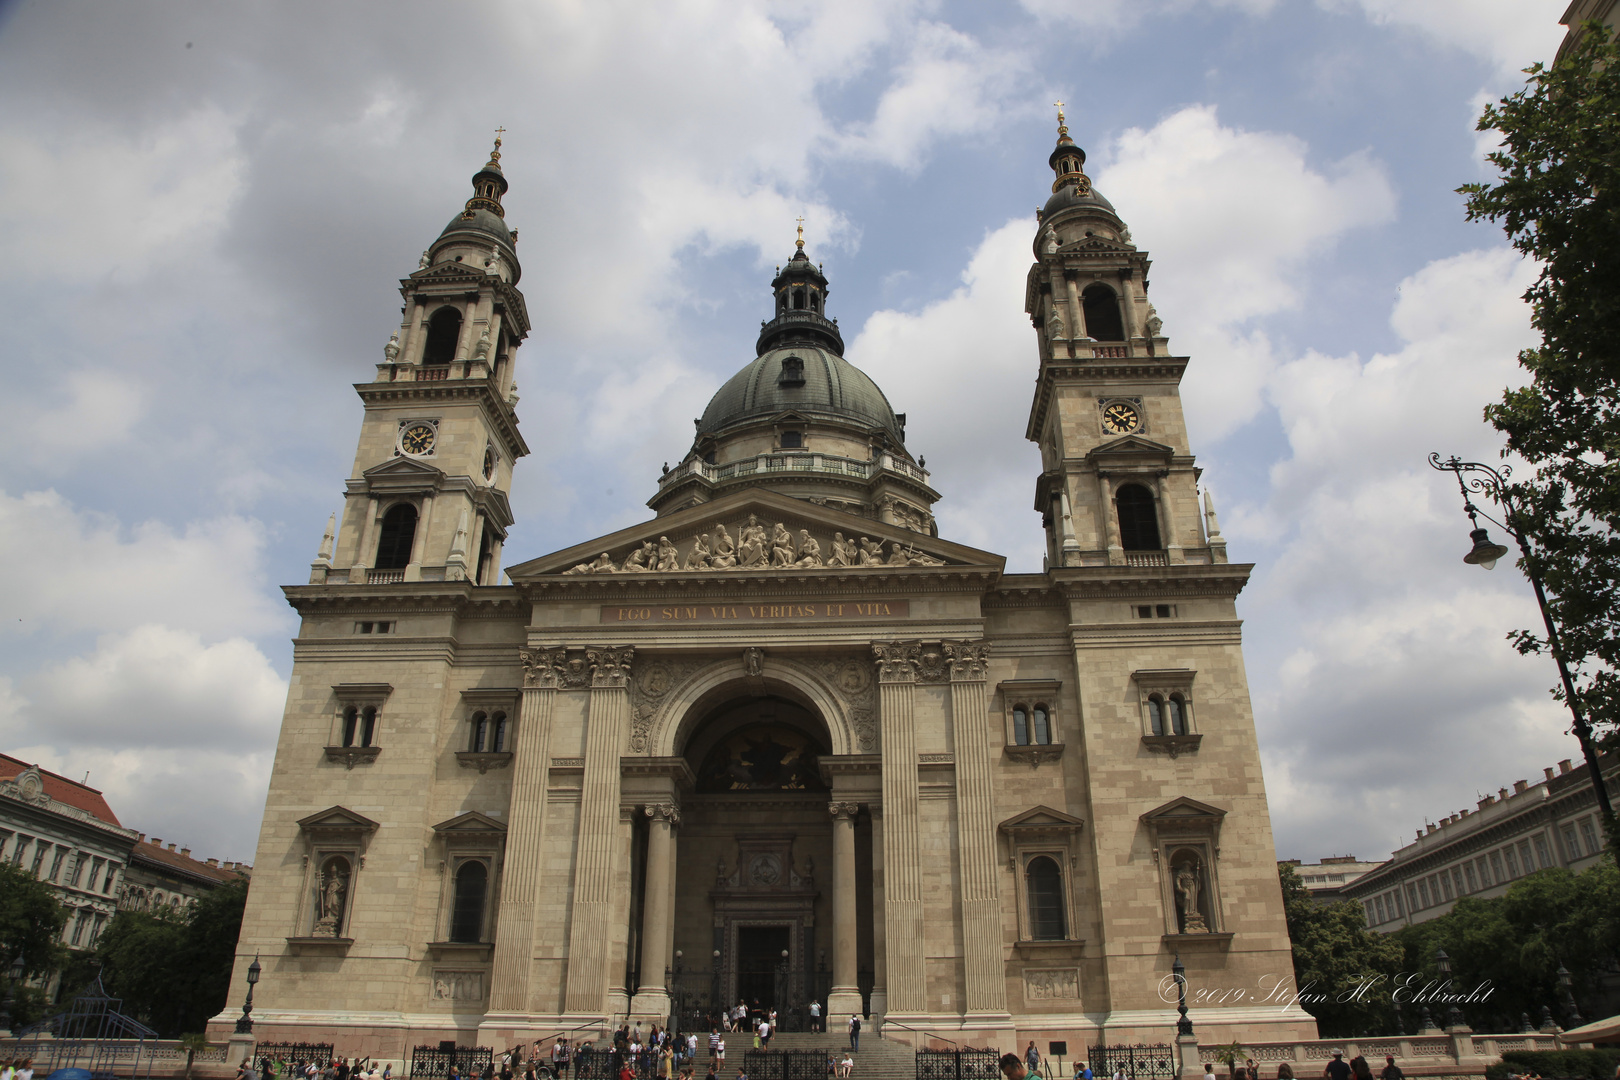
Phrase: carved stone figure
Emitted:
{"points": [[641, 560], [1187, 886], [481, 349], [720, 871], [334, 887], [1054, 324], [921, 558], [782, 553], [897, 554], [668, 558], [1154, 324], [1050, 244], [1125, 235], [871, 552], [725, 551], [422, 263], [754, 663], [391, 350], [602, 564], [841, 553], [809, 550], [698, 558], [751, 549]]}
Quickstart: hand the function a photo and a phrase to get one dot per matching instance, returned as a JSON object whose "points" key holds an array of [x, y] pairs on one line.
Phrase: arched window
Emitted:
{"points": [[351, 725], [444, 332], [1101, 309], [815, 302], [368, 725], [1156, 714], [1138, 518], [396, 538], [467, 911], [480, 732], [1043, 886], [1178, 715], [1021, 726], [497, 733], [1042, 733], [798, 299]]}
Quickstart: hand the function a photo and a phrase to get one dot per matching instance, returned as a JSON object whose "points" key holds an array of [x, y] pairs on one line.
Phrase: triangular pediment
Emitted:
{"points": [[672, 539], [1131, 446], [449, 271], [335, 818], [1042, 817], [472, 823], [1184, 808], [403, 468]]}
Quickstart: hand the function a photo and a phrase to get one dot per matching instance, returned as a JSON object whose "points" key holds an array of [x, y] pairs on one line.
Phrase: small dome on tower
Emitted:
{"points": [[1072, 188], [484, 219]]}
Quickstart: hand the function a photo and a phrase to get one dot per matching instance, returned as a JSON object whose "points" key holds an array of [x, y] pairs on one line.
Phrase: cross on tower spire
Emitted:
{"points": [[800, 242]]}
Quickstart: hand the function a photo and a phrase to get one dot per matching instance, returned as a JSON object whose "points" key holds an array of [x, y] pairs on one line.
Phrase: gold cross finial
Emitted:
{"points": [[495, 154], [1063, 128], [800, 241]]}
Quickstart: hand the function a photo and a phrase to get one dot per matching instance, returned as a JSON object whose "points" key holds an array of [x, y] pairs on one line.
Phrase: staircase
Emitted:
{"points": [[877, 1059]]}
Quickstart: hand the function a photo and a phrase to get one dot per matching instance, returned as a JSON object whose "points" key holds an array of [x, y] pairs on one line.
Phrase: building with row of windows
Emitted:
{"points": [[1480, 852], [1326, 880]]}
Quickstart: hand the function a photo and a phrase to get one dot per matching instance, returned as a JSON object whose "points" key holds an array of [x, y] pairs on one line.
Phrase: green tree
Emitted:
{"points": [[1343, 971], [1557, 197], [173, 968], [31, 922]]}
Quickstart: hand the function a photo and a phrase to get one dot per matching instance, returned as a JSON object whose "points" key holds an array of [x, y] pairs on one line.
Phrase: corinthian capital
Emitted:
{"points": [[542, 667], [663, 811], [610, 666], [843, 810], [968, 660], [897, 660]]}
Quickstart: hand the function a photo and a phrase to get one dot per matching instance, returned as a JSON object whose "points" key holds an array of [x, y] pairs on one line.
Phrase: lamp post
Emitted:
{"points": [[1178, 971], [1493, 483], [244, 1026], [714, 987], [1454, 1017], [1566, 983]]}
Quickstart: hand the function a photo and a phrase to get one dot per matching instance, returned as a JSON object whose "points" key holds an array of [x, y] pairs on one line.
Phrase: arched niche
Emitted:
{"points": [[684, 710], [757, 744]]}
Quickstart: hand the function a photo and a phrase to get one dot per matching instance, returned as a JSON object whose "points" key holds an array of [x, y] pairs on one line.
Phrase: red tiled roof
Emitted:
{"points": [[63, 790], [153, 852]]}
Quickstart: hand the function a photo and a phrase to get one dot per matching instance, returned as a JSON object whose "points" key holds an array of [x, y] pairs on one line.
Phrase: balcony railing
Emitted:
{"points": [[804, 462], [384, 577], [1147, 558]]}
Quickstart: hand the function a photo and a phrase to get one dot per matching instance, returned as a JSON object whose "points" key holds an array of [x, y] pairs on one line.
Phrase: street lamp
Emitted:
{"points": [[1493, 483], [244, 1026], [1178, 971], [1454, 1017], [1566, 983]]}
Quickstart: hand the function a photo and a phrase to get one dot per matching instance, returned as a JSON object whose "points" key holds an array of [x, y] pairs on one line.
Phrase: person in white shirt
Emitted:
{"points": [[1209, 1070], [815, 1016]]}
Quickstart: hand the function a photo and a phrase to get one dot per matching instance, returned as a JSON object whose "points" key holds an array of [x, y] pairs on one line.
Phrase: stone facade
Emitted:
{"points": [[781, 741], [158, 876]]}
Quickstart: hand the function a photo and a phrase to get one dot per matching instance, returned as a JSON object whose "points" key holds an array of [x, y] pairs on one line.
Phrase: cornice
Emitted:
{"points": [[460, 598], [1122, 582], [1225, 631], [775, 481], [764, 585], [503, 416], [1138, 368]]}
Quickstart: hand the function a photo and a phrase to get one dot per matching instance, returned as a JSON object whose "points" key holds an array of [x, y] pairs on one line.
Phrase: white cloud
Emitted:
{"points": [[1232, 218], [1511, 34]]}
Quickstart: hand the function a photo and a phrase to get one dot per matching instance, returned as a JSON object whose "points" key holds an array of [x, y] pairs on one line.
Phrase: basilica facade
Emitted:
{"points": [[781, 742]]}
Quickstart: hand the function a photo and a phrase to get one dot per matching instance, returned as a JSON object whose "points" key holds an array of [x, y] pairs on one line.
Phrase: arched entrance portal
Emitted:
{"points": [[752, 912]]}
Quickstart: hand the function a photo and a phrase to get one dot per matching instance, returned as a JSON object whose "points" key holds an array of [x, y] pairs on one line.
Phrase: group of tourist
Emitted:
{"points": [[18, 1069]]}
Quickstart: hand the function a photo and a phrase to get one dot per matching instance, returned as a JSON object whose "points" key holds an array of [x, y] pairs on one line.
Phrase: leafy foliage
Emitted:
{"points": [[1514, 943], [31, 922], [1558, 198], [1597, 1064], [1343, 971], [173, 969]]}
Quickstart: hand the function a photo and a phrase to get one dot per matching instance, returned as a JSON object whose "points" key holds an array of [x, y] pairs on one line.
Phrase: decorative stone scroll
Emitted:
{"points": [[969, 660], [897, 660], [755, 548], [667, 811], [610, 667], [543, 667], [552, 668], [843, 809]]}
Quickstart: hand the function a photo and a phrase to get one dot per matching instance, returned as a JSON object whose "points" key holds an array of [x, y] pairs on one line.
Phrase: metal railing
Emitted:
{"points": [[787, 1064], [965, 1063], [1139, 1061], [432, 1061]]}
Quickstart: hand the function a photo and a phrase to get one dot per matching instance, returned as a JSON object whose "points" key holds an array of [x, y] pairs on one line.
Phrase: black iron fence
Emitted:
{"points": [[294, 1052], [787, 1064], [1143, 1061], [438, 1061], [967, 1063]]}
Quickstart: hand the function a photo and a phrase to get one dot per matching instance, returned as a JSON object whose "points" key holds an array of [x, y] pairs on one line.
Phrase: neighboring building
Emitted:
{"points": [[1325, 881], [64, 832], [782, 727], [1606, 12], [163, 877], [1480, 852]]}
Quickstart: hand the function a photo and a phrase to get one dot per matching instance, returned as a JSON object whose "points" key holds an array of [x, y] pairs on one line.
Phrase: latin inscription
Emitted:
{"points": [[791, 613]]}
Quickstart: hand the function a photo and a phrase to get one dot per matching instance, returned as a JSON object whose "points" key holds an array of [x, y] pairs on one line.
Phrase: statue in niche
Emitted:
{"points": [[698, 558], [1154, 324], [841, 554], [720, 871], [871, 553], [782, 553], [391, 350], [332, 891], [1187, 889], [753, 662], [640, 560], [725, 551], [809, 550], [751, 549], [668, 558], [602, 564]]}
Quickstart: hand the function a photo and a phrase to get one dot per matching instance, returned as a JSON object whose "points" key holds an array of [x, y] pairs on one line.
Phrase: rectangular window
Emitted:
{"points": [[19, 852], [1484, 872], [79, 924], [1423, 892], [1527, 860], [1396, 896], [1543, 856], [1162, 611], [1468, 872], [1572, 844], [40, 850], [56, 863], [1496, 868], [95, 931], [1144, 611], [95, 874], [1457, 880], [1589, 834], [1378, 910], [112, 875], [78, 868], [1445, 884], [1512, 861]]}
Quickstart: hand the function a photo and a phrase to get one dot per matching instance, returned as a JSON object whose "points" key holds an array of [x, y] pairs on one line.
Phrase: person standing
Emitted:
{"points": [[815, 1016], [1032, 1059], [1391, 1071], [855, 1031], [1337, 1069]]}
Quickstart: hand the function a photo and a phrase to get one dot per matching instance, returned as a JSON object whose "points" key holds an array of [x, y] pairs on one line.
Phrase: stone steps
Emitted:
{"points": [[877, 1059]]}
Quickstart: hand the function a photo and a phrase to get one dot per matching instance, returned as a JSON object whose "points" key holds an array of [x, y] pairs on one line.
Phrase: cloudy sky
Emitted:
{"points": [[204, 209]]}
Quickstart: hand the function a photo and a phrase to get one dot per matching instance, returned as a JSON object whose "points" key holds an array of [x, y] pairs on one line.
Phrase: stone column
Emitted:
{"points": [[424, 525], [845, 997], [520, 880], [413, 343], [880, 967], [596, 854], [368, 541], [1110, 520], [1071, 546], [983, 963], [652, 998], [1167, 522], [902, 892], [1077, 314]]}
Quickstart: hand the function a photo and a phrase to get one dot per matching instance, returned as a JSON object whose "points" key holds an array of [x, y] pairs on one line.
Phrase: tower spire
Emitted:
{"points": [[799, 243], [489, 184], [1063, 127]]}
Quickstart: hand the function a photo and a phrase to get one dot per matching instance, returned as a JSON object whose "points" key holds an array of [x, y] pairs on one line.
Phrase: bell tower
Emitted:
{"points": [[427, 498], [1118, 485]]}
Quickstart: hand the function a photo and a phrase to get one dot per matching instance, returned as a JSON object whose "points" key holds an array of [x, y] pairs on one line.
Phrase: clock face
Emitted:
{"points": [[418, 439], [1120, 419]]}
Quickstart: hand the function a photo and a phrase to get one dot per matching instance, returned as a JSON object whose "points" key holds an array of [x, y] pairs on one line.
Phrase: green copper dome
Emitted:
{"points": [[825, 386]]}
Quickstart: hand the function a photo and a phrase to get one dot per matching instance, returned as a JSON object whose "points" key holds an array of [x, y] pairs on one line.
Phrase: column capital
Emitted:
{"points": [[610, 666], [668, 812], [897, 660], [969, 660], [542, 667], [842, 810]]}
